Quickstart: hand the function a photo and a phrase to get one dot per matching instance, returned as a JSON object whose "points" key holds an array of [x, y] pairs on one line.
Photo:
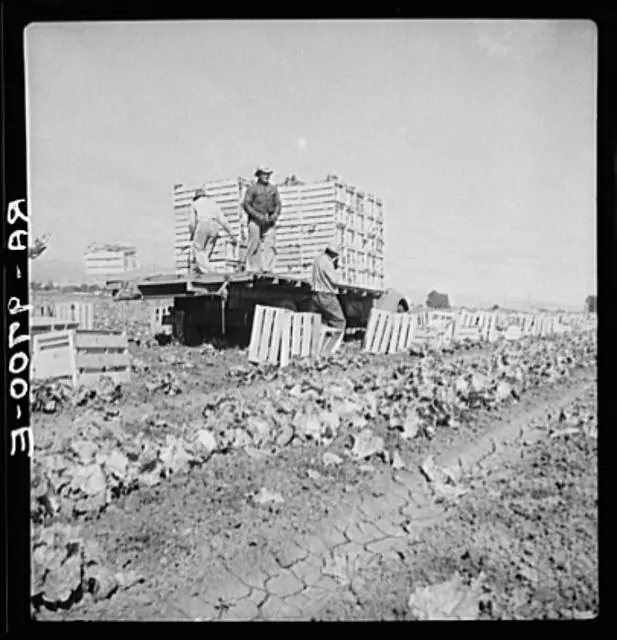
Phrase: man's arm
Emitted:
{"points": [[330, 272], [248, 206], [192, 221], [277, 205]]}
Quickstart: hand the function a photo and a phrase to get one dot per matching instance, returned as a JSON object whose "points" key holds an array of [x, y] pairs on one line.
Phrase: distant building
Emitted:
{"points": [[109, 260]]}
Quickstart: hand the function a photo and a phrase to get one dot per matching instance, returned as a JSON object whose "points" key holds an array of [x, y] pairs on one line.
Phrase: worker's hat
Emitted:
{"points": [[333, 249], [262, 168]]}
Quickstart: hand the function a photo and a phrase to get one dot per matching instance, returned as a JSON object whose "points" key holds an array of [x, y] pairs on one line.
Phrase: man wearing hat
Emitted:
{"points": [[205, 222], [325, 288], [262, 204]]}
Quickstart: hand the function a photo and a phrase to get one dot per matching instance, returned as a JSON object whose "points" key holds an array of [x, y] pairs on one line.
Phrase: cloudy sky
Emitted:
{"points": [[479, 137]]}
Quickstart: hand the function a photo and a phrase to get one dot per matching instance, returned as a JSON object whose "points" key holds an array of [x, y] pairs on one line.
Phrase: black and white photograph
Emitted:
{"points": [[313, 319]]}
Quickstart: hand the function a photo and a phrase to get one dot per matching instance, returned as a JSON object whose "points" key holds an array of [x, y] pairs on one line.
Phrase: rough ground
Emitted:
{"points": [[512, 535]]}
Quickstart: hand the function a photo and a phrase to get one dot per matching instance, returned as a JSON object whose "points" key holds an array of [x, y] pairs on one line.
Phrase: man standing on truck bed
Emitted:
{"points": [[262, 204], [325, 288], [205, 222]]}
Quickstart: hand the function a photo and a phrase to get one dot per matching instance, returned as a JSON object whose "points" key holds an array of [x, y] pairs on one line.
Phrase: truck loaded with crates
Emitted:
{"points": [[312, 214]]}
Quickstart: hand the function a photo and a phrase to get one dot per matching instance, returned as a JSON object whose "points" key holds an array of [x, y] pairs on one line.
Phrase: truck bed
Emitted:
{"points": [[176, 286]]}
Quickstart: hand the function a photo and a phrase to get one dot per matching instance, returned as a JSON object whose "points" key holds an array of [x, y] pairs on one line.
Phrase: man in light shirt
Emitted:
{"points": [[325, 288], [205, 223]]}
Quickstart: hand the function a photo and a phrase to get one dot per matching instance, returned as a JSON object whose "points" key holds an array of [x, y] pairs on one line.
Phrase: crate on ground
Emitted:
{"points": [[304, 330], [279, 335], [100, 353], [378, 331], [390, 332], [81, 313], [53, 356]]}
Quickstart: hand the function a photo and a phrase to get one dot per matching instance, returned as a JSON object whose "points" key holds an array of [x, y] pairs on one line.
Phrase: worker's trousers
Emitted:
{"points": [[261, 249], [204, 243], [328, 305]]}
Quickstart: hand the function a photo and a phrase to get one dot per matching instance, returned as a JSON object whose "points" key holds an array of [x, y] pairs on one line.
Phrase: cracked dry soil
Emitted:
{"points": [[350, 545], [528, 526]]}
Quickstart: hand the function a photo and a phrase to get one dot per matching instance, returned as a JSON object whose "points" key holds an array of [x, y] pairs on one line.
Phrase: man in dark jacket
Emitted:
{"points": [[262, 204]]}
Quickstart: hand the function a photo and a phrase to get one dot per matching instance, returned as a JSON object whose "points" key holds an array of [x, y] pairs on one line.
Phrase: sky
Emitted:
{"points": [[479, 136]]}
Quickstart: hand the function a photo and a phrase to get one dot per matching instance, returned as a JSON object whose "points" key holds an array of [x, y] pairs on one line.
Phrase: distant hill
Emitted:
{"points": [[64, 272]]}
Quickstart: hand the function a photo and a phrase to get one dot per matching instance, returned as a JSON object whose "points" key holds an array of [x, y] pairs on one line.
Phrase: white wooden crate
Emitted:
{"points": [[53, 356], [279, 335], [99, 353]]}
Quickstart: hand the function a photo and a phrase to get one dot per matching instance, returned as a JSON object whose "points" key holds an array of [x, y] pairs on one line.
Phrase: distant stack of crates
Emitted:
{"points": [[312, 215], [107, 261]]}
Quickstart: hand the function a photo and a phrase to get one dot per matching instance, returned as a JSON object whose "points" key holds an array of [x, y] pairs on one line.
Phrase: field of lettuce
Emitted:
{"points": [[437, 485]]}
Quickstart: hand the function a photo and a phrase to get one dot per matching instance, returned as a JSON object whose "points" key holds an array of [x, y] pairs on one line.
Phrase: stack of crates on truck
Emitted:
{"points": [[312, 215]]}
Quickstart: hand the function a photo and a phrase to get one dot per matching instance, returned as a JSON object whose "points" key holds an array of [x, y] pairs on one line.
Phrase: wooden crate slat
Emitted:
{"points": [[411, 330], [315, 334], [377, 334], [402, 339], [383, 347], [92, 378], [305, 350], [274, 350], [86, 360], [45, 325], [285, 353], [379, 331], [256, 332], [370, 329], [396, 327], [266, 336], [85, 339], [401, 330], [296, 334]]}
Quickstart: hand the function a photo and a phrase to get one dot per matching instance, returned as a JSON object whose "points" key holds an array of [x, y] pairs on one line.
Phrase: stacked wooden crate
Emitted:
{"points": [[312, 215], [103, 262]]}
